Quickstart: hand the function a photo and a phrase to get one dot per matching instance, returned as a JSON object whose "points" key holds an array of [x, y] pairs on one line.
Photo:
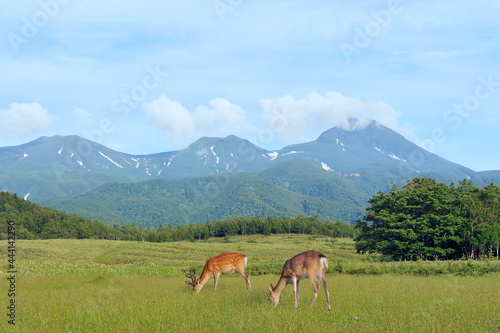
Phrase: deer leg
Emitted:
{"points": [[216, 279], [247, 278], [315, 284], [325, 286], [295, 291]]}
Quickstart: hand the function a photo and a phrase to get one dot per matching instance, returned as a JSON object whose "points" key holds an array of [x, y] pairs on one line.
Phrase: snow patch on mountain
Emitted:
{"points": [[396, 157], [213, 152], [391, 155], [338, 142], [136, 161], [272, 156], [326, 167], [170, 160], [109, 159], [341, 144], [293, 152]]}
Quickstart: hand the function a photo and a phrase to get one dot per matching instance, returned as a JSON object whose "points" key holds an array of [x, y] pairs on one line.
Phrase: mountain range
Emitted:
{"points": [[331, 177]]}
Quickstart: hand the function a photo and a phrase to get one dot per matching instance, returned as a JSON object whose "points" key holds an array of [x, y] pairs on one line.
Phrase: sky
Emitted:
{"points": [[154, 76]]}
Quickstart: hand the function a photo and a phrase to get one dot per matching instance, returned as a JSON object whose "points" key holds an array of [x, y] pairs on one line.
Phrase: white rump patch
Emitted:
{"points": [[324, 262]]}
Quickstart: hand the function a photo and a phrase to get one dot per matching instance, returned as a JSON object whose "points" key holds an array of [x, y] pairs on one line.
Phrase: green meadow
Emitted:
{"points": [[115, 286]]}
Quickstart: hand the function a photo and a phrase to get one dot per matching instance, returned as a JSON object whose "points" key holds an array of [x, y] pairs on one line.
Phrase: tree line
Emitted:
{"points": [[33, 221], [432, 221], [246, 226]]}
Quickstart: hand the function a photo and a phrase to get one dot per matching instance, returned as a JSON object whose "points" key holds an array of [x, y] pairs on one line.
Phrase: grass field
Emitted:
{"points": [[111, 286]]}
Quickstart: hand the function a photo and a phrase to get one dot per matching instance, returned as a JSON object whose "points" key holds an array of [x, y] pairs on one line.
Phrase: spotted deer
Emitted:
{"points": [[225, 263], [309, 264]]}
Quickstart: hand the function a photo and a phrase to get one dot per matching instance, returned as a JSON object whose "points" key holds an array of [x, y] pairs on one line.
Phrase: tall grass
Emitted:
{"points": [[113, 286], [360, 303], [266, 255]]}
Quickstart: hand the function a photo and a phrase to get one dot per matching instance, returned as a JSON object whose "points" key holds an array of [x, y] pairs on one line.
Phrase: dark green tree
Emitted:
{"points": [[417, 222]]}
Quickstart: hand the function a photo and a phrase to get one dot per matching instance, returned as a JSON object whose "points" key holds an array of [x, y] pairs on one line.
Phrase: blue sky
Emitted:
{"points": [[154, 76]]}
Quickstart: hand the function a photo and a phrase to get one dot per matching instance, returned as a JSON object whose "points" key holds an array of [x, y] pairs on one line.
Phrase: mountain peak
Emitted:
{"points": [[356, 128], [209, 141], [229, 142]]}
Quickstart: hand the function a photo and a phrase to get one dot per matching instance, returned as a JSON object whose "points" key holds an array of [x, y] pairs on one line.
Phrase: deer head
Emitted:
{"points": [[274, 297]]}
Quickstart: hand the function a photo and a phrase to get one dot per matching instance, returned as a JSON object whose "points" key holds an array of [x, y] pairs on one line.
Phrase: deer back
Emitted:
{"points": [[303, 264], [225, 263]]}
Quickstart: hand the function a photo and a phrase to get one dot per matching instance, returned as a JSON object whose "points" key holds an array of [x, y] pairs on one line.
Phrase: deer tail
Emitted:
{"points": [[324, 262]]}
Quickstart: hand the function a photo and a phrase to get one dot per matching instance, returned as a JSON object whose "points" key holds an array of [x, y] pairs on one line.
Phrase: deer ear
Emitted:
{"points": [[271, 287]]}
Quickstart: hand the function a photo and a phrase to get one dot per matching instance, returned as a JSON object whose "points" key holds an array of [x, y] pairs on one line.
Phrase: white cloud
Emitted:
{"points": [[171, 117], [220, 118], [23, 118], [288, 117], [83, 116]]}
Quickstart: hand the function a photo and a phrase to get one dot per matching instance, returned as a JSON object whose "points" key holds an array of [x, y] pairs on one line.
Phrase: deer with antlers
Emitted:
{"points": [[309, 264], [225, 263]]}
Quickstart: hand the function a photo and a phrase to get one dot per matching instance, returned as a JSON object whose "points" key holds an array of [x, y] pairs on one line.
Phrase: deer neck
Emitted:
{"points": [[280, 286], [205, 276]]}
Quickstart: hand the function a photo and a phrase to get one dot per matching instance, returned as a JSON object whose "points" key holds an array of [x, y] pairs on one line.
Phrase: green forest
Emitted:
{"points": [[432, 221], [288, 190], [422, 220], [33, 221]]}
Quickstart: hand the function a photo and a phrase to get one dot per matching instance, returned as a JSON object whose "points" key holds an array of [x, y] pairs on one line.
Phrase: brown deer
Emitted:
{"points": [[309, 264], [225, 263]]}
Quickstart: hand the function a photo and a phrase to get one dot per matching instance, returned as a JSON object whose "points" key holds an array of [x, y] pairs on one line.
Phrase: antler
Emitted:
{"points": [[192, 276]]}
